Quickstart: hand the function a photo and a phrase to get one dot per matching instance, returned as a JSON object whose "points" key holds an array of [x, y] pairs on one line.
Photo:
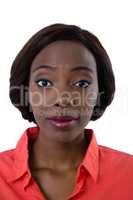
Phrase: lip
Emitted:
{"points": [[63, 121], [62, 118]]}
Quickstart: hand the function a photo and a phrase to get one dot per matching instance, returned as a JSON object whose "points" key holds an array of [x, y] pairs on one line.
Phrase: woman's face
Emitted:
{"points": [[63, 81]]}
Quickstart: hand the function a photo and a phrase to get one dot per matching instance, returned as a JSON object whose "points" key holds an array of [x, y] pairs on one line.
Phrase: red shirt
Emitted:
{"points": [[104, 173]]}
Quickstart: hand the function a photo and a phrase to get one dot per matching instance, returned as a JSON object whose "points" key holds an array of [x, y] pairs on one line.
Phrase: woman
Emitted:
{"points": [[60, 80]]}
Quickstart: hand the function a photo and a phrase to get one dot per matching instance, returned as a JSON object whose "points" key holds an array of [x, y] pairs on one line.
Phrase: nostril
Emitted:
{"points": [[57, 104], [63, 102]]}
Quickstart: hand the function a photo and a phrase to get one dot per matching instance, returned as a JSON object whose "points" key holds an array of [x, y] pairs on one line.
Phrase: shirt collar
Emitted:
{"points": [[91, 159], [21, 155]]}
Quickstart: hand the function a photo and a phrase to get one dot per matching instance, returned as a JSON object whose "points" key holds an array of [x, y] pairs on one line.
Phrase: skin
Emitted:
{"points": [[57, 152]]}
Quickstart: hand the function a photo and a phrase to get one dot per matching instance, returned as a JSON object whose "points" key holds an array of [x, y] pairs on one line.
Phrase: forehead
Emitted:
{"points": [[64, 52]]}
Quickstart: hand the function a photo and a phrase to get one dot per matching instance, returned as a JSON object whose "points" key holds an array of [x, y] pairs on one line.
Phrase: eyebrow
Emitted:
{"points": [[77, 68]]}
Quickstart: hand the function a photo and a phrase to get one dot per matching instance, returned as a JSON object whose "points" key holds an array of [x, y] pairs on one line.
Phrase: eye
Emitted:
{"points": [[43, 82], [83, 83]]}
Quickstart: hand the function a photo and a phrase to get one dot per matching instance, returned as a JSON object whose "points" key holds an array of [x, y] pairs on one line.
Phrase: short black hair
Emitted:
{"points": [[20, 69]]}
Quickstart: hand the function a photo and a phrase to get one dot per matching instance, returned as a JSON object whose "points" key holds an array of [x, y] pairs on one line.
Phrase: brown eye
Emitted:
{"points": [[43, 82], [83, 83]]}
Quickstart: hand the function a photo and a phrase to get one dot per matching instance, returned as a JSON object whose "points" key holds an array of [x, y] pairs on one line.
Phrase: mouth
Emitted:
{"points": [[63, 121]]}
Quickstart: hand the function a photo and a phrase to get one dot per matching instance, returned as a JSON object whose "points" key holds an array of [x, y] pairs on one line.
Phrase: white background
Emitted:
{"points": [[110, 21]]}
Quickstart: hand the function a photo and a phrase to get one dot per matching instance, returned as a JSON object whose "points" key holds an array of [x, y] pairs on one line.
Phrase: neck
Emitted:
{"points": [[55, 155]]}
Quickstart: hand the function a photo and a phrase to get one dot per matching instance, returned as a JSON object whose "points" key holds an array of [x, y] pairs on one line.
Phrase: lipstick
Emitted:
{"points": [[63, 121]]}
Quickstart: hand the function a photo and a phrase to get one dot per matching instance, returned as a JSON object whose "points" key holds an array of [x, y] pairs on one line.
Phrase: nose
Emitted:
{"points": [[64, 100], [65, 96]]}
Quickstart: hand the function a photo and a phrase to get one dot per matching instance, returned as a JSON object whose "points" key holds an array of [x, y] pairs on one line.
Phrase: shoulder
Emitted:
{"points": [[111, 153], [6, 159], [7, 153], [115, 160]]}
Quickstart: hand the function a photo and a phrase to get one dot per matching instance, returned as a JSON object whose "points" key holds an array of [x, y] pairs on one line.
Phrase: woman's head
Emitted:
{"points": [[63, 47], [63, 82]]}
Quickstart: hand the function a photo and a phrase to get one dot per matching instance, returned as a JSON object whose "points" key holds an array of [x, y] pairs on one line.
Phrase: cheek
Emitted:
{"points": [[90, 100], [45, 97], [38, 112], [88, 103], [86, 99], [36, 97]]}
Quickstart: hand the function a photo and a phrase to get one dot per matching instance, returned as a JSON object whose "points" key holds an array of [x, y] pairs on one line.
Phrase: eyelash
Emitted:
{"points": [[46, 80]]}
